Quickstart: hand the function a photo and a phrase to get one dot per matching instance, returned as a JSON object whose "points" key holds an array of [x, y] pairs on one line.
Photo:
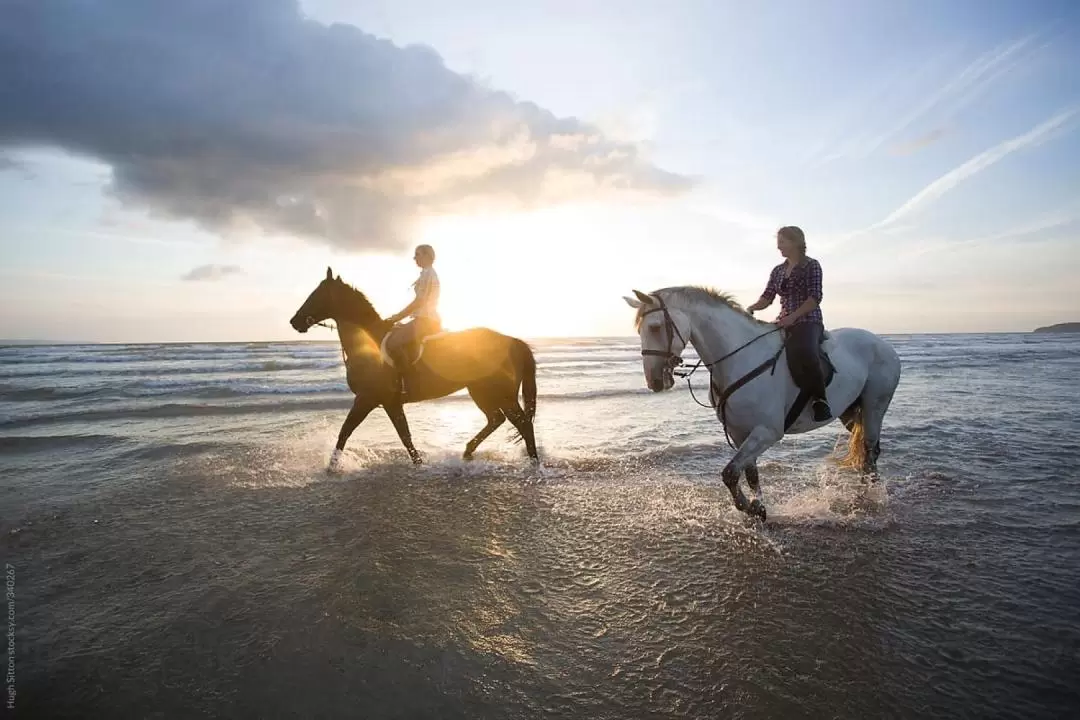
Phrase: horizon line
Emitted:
{"points": [[32, 342]]}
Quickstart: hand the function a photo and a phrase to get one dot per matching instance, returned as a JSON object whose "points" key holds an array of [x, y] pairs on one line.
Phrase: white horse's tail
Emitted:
{"points": [[856, 450]]}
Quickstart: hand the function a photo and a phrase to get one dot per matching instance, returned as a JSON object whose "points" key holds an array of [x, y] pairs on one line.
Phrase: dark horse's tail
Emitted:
{"points": [[527, 362]]}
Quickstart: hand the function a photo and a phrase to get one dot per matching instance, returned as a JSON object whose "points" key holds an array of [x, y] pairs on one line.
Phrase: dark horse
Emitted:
{"points": [[491, 365]]}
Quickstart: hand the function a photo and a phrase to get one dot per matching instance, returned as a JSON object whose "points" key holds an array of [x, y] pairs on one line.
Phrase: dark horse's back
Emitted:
{"points": [[481, 358]]}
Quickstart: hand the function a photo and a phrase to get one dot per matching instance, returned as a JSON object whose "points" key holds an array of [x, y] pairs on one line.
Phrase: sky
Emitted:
{"points": [[187, 171]]}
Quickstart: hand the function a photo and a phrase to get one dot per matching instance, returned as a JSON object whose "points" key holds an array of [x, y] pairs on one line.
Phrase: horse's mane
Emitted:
{"points": [[698, 294], [366, 312]]}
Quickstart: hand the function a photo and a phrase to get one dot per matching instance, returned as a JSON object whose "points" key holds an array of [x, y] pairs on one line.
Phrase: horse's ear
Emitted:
{"points": [[329, 273], [632, 302], [645, 299], [338, 278]]}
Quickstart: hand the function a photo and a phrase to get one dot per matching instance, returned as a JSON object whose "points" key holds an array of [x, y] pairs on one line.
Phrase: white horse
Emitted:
{"points": [[752, 388]]}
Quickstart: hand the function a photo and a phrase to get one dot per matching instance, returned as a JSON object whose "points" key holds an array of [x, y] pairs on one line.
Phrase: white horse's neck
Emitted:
{"points": [[717, 330]]}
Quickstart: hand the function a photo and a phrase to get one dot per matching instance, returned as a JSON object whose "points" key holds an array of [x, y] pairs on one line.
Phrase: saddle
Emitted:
{"points": [[719, 397], [828, 371], [413, 351]]}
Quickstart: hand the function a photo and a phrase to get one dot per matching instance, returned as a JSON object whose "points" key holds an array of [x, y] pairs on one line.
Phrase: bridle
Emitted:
{"points": [[671, 358]]}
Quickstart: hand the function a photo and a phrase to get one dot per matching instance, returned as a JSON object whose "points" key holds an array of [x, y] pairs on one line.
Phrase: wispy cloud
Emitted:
{"points": [[975, 165], [204, 273], [1046, 227], [716, 206], [910, 147], [959, 92], [939, 105]]}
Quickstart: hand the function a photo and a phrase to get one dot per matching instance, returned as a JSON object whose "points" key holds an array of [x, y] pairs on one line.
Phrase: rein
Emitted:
{"points": [[328, 326], [725, 395], [674, 361]]}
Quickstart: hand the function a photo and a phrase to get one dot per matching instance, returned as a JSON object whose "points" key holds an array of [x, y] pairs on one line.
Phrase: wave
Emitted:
{"points": [[35, 443], [172, 410], [94, 355], [258, 366], [227, 388], [72, 371], [258, 400]]}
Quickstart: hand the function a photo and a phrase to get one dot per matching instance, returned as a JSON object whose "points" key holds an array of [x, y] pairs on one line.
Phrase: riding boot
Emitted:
{"points": [[821, 410], [401, 370]]}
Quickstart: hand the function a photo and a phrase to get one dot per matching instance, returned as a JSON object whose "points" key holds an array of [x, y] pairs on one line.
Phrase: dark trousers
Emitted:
{"points": [[803, 353]]}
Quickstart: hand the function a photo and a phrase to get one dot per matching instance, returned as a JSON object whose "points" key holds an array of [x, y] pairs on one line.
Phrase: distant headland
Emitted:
{"points": [[1069, 327]]}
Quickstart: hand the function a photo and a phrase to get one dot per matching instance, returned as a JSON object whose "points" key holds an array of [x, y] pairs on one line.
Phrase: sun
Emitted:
{"points": [[530, 274]]}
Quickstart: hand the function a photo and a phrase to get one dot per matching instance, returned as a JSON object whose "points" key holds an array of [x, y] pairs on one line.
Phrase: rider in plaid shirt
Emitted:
{"points": [[797, 281]]}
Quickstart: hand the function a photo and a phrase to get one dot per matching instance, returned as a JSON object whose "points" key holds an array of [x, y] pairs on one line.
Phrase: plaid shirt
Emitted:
{"points": [[803, 283]]}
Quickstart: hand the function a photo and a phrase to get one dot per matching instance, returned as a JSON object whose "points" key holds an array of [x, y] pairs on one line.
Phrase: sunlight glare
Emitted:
{"points": [[512, 271]]}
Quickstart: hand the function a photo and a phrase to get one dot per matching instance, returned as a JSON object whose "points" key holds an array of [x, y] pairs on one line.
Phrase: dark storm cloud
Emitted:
{"points": [[245, 114]]}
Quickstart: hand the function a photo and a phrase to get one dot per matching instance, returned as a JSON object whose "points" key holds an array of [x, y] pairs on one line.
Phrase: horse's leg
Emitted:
{"points": [[516, 415], [396, 412], [874, 407], [360, 410], [753, 481], [758, 441], [495, 418]]}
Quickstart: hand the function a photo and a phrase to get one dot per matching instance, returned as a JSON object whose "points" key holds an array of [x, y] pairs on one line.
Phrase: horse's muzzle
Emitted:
{"points": [[301, 324], [665, 381]]}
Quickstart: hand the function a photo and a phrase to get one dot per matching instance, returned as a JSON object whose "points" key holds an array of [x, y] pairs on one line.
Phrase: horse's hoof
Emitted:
{"points": [[417, 460], [467, 457], [757, 510]]}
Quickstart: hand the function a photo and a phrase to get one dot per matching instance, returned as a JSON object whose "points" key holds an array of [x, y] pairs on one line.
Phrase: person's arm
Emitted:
{"points": [[798, 312], [766, 298], [423, 287]]}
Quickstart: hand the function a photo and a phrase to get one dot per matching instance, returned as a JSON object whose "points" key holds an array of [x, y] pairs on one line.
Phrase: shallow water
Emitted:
{"points": [[179, 550]]}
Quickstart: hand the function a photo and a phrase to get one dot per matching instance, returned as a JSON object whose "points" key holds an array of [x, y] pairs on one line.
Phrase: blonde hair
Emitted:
{"points": [[426, 250]]}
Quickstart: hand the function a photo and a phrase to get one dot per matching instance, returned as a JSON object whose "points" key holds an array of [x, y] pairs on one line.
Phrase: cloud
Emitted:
{"points": [[975, 165], [205, 273], [939, 103], [247, 115], [963, 89], [10, 164], [1052, 227], [921, 142]]}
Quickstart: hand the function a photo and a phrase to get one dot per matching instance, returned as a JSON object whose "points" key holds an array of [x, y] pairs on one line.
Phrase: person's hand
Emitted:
{"points": [[785, 322], [394, 319]]}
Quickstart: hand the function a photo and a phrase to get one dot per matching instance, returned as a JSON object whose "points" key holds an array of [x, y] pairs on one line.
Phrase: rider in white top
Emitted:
{"points": [[427, 294], [424, 310]]}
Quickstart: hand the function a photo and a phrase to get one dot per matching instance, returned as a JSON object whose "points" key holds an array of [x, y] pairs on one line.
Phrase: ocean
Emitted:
{"points": [[174, 548]]}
